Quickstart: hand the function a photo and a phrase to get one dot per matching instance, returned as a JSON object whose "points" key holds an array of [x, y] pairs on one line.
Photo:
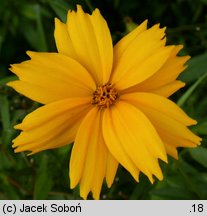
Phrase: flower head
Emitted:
{"points": [[111, 102]]}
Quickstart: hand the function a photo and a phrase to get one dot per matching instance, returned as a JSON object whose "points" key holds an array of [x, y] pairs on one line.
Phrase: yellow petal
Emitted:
{"points": [[111, 169], [100, 166], [161, 110], [51, 125], [143, 70], [175, 141], [167, 74], [89, 156], [137, 51], [171, 150], [80, 147], [136, 135], [176, 50], [168, 125], [92, 43], [114, 145], [49, 77], [172, 142], [122, 45], [62, 40], [169, 89], [160, 104]]}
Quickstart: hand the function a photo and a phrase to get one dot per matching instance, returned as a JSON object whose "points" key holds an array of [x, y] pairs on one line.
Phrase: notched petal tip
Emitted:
{"points": [[164, 158], [96, 196], [164, 28], [176, 156], [193, 122], [57, 21], [109, 184], [79, 8], [31, 153], [9, 84], [31, 54], [181, 84], [14, 145], [84, 196], [199, 140], [16, 150], [145, 22], [18, 127], [151, 179], [96, 11], [13, 68], [179, 47], [157, 26], [73, 182], [187, 58], [72, 185], [70, 13], [15, 142], [136, 178], [161, 177]]}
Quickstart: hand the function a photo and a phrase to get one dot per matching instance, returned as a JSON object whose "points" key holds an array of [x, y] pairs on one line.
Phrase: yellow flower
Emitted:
{"points": [[111, 102]]}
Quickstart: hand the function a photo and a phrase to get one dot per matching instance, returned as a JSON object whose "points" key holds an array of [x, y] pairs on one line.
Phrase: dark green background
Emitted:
{"points": [[29, 25]]}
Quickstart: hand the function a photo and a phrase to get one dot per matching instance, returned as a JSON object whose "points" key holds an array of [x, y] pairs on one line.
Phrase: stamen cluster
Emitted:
{"points": [[105, 96]]}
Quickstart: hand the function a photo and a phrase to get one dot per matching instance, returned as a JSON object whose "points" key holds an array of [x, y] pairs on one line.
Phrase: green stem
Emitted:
{"points": [[187, 94]]}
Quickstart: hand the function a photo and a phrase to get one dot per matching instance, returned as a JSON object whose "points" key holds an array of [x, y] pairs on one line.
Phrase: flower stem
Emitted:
{"points": [[187, 94]]}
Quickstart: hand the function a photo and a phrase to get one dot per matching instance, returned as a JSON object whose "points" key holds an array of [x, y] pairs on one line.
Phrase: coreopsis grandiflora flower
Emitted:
{"points": [[112, 102]]}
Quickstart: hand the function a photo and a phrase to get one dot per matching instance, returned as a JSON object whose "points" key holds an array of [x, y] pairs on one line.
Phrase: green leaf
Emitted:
{"points": [[43, 182], [173, 193], [204, 1], [4, 110], [5, 162], [8, 188], [200, 155], [2, 36], [7, 79], [190, 182], [29, 11], [40, 29], [197, 66], [140, 190], [7, 131], [201, 128], [201, 181], [61, 8]]}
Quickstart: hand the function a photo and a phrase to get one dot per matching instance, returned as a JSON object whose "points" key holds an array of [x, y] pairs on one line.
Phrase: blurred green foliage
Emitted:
{"points": [[29, 25]]}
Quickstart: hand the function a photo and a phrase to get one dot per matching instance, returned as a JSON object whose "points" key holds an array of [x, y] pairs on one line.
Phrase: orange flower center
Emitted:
{"points": [[105, 96]]}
